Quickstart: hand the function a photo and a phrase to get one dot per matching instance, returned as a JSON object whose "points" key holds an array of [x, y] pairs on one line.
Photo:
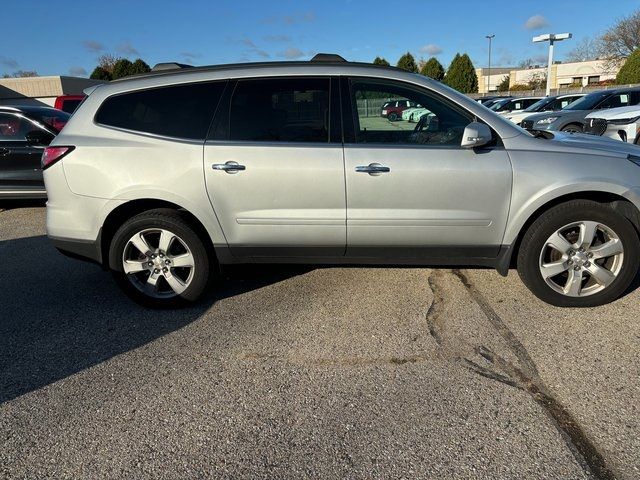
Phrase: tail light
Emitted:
{"points": [[52, 155]]}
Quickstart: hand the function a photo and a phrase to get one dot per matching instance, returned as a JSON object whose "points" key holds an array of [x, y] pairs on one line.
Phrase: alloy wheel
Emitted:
{"points": [[581, 258], [158, 263]]}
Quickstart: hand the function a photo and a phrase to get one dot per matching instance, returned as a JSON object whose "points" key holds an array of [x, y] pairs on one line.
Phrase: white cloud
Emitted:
{"points": [[431, 49], [536, 22]]}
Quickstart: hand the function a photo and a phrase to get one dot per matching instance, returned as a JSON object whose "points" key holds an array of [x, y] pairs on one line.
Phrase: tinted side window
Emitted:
{"points": [[280, 110], [617, 100], [438, 122], [182, 111]]}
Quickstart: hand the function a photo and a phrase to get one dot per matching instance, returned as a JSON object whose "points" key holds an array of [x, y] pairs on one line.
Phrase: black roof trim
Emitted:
{"points": [[160, 67], [327, 57]]}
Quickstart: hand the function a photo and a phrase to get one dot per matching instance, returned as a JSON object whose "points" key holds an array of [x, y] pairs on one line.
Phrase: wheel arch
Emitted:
{"points": [[618, 202], [572, 122], [125, 211]]}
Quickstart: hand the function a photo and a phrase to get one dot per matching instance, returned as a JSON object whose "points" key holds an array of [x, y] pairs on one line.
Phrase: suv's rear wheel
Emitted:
{"points": [[159, 260], [579, 254]]}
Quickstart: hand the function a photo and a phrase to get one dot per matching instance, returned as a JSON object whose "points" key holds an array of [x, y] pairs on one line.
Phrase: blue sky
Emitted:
{"points": [[66, 37]]}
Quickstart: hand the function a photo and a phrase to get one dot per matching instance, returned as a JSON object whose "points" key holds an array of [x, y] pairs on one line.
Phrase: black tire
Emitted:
{"points": [[573, 128], [392, 117], [176, 223], [553, 220]]}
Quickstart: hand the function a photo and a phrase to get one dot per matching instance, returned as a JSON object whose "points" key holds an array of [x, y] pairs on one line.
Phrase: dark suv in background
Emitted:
{"points": [[24, 132], [573, 117]]}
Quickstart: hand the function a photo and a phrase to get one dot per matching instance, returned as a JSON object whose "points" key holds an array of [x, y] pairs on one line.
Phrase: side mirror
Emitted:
{"points": [[476, 134], [39, 138]]}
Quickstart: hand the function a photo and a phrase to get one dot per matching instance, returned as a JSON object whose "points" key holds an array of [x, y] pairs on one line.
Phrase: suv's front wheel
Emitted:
{"points": [[159, 260], [579, 254]]}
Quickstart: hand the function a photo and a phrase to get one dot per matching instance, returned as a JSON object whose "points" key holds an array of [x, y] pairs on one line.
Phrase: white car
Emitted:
{"points": [[621, 123], [512, 105], [407, 114], [546, 104]]}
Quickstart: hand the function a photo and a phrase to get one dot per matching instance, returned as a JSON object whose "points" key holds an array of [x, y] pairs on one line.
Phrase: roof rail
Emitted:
{"points": [[327, 57], [10, 108], [159, 67]]}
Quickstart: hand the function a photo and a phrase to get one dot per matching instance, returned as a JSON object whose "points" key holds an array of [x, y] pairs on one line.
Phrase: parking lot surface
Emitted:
{"points": [[294, 372]]}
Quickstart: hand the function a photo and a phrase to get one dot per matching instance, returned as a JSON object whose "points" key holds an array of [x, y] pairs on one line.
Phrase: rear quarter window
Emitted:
{"points": [[181, 111]]}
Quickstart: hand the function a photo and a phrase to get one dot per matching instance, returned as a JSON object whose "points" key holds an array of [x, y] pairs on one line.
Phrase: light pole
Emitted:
{"points": [[551, 38], [490, 37]]}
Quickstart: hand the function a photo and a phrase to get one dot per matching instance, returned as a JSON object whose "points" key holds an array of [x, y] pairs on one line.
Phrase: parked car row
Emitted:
{"points": [[611, 113]]}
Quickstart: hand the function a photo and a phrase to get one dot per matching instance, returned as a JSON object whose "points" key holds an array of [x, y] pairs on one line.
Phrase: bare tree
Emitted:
{"points": [[537, 80], [107, 61], [22, 74], [623, 38], [585, 49]]}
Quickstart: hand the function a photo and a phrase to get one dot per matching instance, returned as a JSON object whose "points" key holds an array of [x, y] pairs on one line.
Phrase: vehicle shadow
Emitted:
{"points": [[12, 204], [59, 316]]}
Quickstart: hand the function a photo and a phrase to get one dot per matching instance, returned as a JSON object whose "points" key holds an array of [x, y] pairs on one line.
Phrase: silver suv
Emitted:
{"points": [[164, 177]]}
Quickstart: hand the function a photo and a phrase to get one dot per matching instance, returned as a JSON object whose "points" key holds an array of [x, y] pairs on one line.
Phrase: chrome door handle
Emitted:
{"points": [[229, 167], [372, 169]]}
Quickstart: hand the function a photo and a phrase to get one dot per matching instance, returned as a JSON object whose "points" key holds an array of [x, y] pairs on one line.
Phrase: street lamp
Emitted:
{"points": [[490, 37], [551, 38]]}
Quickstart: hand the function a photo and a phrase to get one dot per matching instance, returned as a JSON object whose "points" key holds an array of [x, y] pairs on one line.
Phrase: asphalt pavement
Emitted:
{"points": [[302, 372]]}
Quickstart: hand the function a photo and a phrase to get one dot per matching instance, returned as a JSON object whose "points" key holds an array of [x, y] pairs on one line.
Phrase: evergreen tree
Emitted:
{"points": [[100, 73], [461, 74], [433, 68], [122, 68], [504, 85], [408, 63], [139, 66], [630, 71], [380, 61]]}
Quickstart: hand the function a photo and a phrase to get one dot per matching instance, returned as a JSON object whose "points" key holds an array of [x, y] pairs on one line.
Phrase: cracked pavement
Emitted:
{"points": [[295, 372]]}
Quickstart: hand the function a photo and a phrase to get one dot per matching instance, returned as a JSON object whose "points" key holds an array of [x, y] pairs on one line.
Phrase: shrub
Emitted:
{"points": [[630, 71]]}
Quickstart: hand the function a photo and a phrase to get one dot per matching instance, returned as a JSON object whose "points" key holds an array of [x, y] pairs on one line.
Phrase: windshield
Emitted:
{"points": [[496, 106], [588, 102], [539, 105]]}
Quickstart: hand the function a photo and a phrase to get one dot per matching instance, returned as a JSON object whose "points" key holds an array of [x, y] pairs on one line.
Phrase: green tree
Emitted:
{"points": [[408, 63], [461, 75], [630, 71], [122, 68], [433, 68], [503, 86], [380, 61], [139, 66], [99, 73]]}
